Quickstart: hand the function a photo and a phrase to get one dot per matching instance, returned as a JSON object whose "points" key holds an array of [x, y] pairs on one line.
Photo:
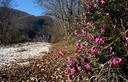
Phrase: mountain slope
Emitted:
{"points": [[21, 27]]}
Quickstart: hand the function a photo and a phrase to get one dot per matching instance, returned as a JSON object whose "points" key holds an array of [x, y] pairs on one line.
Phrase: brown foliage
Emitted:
{"points": [[48, 68]]}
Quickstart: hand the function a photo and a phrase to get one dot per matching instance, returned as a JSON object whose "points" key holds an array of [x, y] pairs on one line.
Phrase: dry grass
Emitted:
{"points": [[49, 68]]}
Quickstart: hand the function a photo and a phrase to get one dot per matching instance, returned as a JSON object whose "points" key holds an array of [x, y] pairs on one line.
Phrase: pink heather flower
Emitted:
{"points": [[84, 15], [78, 52], [110, 49], [99, 40], [84, 31], [79, 68], [96, 5], [90, 24], [88, 7], [61, 53], [126, 42], [73, 71], [102, 30], [81, 60], [66, 72], [97, 1], [108, 14], [90, 37], [79, 45], [75, 32], [70, 62], [78, 34], [103, 2], [94, 50], [88, 66], [115, 61]]}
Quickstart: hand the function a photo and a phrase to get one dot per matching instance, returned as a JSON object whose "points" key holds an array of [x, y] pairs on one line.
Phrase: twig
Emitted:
{"points": [[123, 78]]}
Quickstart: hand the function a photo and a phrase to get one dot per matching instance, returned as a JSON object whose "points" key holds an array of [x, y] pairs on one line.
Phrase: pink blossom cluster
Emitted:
{"points": [[94, 50], [115, 61], [102, 30], [90, 24], [84, 15], [103, 2], [61, 53], [74, 67], [110, 49], [99, 40], [88, 7], [84, 31], [78, 52], [70, 63], [88, 66], [77, 34], [71, 68], [91, 42], [126, 42], [79, 45], [90, 37], [81, 33]]}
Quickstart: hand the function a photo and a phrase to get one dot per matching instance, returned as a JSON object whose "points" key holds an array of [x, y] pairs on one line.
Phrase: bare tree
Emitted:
{"points": [[66, 11]]}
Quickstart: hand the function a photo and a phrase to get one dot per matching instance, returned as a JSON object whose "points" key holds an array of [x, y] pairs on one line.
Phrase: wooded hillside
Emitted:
{"points": [[17, 26]]}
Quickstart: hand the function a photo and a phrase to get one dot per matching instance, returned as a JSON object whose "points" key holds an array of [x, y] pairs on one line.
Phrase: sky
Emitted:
{"points": [[29, 7]]}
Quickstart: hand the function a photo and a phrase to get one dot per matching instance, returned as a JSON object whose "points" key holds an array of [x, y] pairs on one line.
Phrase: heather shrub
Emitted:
{"points": [[100, 42]]}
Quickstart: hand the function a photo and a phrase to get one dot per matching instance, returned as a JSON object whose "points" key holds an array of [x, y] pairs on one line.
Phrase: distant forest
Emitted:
{"points": [[17, 26]]}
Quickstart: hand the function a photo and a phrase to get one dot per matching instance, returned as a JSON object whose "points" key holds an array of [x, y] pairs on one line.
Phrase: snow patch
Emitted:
{"points": [[23, 51]]}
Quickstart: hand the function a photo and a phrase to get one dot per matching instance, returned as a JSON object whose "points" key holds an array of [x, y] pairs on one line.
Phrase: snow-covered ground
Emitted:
{"points": [[23, 52]]}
